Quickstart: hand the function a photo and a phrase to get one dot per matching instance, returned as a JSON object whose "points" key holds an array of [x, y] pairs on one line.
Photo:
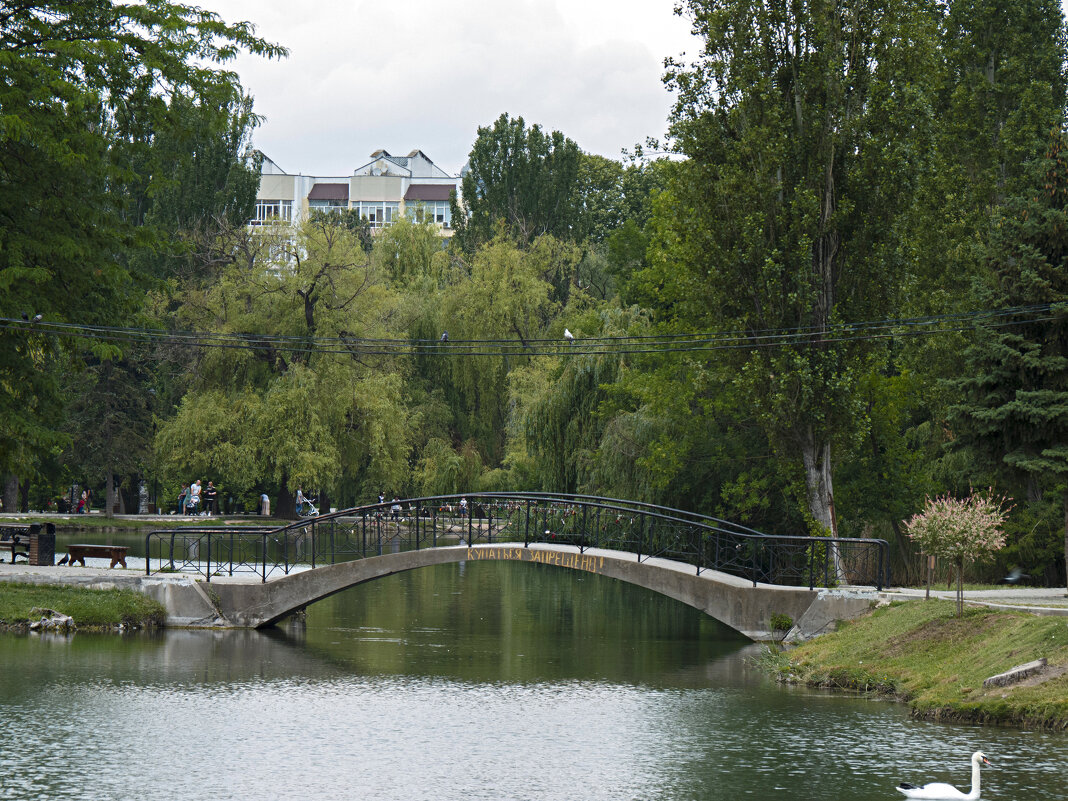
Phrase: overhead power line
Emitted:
{"points": [[811, 336]]}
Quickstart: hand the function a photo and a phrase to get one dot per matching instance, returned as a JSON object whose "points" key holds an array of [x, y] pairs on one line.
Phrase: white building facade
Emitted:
{"points": [[381, 191]]}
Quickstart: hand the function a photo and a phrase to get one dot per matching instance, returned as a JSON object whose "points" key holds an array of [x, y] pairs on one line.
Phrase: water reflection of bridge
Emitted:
{"points": [[747, 579]]}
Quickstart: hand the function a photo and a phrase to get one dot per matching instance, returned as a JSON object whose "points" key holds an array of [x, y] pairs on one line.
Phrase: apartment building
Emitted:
{"points": [[381, 191]]}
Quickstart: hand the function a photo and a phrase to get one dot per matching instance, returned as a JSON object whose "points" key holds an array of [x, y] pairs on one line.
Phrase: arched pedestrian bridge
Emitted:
{"points": [[746, 579]]}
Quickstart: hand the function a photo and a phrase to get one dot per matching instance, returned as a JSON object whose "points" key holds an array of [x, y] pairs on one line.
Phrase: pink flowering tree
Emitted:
{"points": [[960, 528]]}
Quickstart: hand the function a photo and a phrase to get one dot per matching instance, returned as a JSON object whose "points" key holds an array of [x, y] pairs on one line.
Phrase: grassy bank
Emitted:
{"points": [[90, 609], [920, 653]]}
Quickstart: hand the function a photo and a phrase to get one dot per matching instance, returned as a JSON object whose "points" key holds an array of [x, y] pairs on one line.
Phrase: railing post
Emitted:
{"points": [[753, 565], [582, 538], [526, 527], [418, 509], [208, 563], [263, 549], [434, 526], [231, 553], [314, 528], [148, 555], [811, 566], [879, 575], [641, 535]]}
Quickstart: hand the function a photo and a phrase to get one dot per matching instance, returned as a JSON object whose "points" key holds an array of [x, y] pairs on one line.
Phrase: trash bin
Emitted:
{"points": [[42, 544]]}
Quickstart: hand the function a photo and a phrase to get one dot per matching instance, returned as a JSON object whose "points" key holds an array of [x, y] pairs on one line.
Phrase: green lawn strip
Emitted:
{"points": [[88, 608], [920, 652]]}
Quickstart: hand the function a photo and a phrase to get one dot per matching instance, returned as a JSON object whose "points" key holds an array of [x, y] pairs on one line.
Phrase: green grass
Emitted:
{"points": [[89, 608], [920, 652]]}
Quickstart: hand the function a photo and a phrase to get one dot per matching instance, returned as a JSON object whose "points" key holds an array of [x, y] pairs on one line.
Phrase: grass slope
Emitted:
{"points": [[89, 608], [920, 652]]}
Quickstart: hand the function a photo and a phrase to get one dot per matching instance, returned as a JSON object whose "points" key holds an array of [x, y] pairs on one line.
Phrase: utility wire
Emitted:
{"points": [[809, 336]]}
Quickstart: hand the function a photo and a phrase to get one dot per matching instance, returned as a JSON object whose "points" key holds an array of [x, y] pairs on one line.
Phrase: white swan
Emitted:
{"points": [[940, 790]]}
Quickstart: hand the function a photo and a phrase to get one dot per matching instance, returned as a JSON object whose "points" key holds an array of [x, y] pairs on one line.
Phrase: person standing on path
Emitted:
{"points": [[210, 494], [265, 505]]}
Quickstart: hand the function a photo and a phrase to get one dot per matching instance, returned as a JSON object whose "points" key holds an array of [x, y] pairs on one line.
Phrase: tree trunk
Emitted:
{"points": [[1066, 535], [960, 588], [109, 493], [820, 491], [11, 493], [24, 496]]}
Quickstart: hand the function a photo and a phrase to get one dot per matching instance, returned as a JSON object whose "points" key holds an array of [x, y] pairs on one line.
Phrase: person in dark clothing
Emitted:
{"points": [[210, 494]]}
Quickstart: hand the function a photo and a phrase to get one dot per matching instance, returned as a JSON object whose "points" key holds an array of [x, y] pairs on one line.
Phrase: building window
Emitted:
{"points": [[431, 211], [272, 211], [328, 205], [379, 215]]}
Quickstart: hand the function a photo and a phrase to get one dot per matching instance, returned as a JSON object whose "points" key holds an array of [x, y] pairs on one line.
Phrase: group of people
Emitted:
{"points": [[197, 500]]}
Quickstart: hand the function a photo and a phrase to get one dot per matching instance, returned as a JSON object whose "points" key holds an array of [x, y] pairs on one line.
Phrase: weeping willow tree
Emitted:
{"points": [[507, 295], [287, 415]]}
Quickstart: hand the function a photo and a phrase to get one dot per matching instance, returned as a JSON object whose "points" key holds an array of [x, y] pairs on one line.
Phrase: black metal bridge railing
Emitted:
{"points": [[583, 521]]}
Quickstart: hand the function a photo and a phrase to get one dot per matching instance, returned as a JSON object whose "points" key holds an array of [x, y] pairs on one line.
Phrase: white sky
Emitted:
{"points": [[426, 74]]}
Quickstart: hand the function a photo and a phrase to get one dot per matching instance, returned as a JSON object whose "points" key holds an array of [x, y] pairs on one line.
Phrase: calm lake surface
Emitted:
{"points": [[492, 681]]}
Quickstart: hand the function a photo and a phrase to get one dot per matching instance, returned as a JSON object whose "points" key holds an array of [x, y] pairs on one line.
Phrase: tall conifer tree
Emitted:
{"points": [[1014, 393]]}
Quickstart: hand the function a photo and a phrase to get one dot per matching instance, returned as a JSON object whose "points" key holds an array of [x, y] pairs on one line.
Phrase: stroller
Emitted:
{"points": [[308, 508]]}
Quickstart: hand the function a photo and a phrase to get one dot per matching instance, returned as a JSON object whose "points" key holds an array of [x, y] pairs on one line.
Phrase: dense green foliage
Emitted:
{"points": [[100, 107], [832, 164]]}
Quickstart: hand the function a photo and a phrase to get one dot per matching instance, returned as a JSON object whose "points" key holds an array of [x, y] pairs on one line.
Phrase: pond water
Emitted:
{"points": [[472, 681]]}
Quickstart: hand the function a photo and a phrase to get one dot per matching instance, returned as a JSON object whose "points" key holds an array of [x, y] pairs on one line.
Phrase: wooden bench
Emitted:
{"points": [[16, 540], [77, 553]]}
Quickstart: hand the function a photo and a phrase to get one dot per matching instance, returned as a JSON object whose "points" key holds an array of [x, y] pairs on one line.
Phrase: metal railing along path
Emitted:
{"points": [[583, 521]]}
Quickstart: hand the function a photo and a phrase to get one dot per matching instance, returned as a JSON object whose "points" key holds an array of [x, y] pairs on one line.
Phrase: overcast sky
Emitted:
{"points": [[423, 74]]}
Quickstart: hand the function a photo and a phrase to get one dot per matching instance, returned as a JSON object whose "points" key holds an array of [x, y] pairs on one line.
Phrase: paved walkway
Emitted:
{"points": [[97, 569], [1037, 600]]}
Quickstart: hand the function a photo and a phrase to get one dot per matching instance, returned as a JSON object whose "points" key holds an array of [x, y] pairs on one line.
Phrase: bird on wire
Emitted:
{"points": [[444, 336], [569, 336]]}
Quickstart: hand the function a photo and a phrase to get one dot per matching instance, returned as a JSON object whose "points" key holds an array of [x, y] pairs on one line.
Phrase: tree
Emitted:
{"points": [[78, 82], [1013, 388], [287, 412], [959, 529], [507, 296], [804, 126], [522, 176]]}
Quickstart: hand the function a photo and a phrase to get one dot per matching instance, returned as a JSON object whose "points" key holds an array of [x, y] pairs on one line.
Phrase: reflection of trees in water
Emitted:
{"points": [[502, 621]]}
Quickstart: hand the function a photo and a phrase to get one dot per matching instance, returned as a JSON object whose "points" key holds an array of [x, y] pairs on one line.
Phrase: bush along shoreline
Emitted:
{"points": [[64, 609], [922, 654]]}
